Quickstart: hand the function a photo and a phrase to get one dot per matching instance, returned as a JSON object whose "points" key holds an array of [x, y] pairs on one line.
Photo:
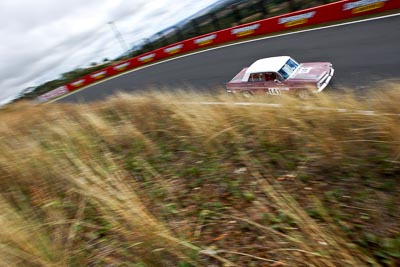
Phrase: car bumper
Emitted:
{"points": [[325, 81]]}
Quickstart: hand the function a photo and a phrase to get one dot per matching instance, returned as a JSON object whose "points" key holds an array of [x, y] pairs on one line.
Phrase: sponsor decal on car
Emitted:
{"points": [[173, 49], [363, 5], [276, 91], [53, 94], [305, 70], [99, 75], [243, 31], [122, 66], [147, 58], [297, 19], [78, 83], [205, 40]]}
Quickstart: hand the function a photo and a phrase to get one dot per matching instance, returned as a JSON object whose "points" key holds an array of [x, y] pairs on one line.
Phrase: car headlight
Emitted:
{"points": [[323, 79]]}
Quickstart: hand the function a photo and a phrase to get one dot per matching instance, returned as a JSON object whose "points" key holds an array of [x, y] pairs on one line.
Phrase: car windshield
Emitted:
{"points": [[287, 69]]}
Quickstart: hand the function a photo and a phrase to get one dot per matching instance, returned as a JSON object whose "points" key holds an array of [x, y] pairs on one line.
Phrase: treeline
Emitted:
{"points": [[64, 79]]}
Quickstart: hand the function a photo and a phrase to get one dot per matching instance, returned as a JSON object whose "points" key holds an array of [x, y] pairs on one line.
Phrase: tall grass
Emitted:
{"points": [[160, 179]]}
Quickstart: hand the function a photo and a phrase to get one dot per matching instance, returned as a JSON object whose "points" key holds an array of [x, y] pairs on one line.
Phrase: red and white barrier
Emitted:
{"points": [[53, 94], [327, 13]]}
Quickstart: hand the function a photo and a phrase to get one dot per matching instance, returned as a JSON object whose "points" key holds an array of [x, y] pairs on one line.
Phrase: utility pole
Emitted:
{"points": [[119, 37]]}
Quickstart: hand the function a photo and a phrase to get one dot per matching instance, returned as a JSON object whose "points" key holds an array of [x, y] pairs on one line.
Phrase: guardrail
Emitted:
{"points": [[341, 10]]}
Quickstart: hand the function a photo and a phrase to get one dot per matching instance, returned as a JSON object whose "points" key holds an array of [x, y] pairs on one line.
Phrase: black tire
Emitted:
{"points": [[247, 93]]}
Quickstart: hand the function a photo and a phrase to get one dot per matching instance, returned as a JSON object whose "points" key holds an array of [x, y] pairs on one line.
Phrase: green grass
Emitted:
{"points": [[153, 180]]}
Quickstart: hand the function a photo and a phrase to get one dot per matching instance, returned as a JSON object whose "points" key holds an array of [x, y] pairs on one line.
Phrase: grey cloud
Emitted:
{"points": [[43, 38], [35, 55], [127, 9], [18, 14]]}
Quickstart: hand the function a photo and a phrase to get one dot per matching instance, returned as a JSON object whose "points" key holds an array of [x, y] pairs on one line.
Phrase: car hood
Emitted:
{"points": [[311, 71]]}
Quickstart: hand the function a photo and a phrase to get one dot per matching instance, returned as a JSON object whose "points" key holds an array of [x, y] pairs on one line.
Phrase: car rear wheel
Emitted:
{"points": [[247, 93]]}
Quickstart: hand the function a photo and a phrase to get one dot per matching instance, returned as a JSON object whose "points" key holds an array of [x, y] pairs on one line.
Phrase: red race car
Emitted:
{"points": [[277, 75]]}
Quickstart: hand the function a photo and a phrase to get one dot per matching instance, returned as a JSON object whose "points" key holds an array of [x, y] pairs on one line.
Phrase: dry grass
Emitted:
{"points": [[160, 180]]}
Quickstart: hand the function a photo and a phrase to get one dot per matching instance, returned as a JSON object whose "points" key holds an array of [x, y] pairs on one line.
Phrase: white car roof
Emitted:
{"points": [[270, 64]]}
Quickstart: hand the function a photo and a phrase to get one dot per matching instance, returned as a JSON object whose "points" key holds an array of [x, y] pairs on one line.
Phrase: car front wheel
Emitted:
{"points": [[303, 94]]}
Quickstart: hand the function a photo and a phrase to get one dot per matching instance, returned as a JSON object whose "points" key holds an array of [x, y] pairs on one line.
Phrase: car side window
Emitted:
{"points": [[270, 76], [257, 77]]}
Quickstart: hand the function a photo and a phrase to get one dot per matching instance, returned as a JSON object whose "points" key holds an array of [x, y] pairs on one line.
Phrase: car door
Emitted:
{"points": [[274, 84], [256, 83]]}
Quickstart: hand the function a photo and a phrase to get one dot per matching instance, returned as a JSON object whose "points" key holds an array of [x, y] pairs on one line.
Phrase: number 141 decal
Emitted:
{"points": [[274, 91]]}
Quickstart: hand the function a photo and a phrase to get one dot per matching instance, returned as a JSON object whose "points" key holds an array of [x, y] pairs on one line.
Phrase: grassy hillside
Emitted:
{"points": [[156, 180]]}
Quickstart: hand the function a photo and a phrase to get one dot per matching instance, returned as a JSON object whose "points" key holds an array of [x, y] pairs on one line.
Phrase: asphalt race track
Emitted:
{"points": [[363, 54]]}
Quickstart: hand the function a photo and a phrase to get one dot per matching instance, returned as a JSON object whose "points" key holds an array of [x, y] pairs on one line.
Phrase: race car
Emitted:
{"points": [[283, 74]]}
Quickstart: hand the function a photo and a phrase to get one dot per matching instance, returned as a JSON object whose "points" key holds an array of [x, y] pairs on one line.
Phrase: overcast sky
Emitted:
{"points": [[41, 39]]}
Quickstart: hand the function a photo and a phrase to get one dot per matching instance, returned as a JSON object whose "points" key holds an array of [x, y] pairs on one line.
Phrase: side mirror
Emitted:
{"points": [[277, 81]]}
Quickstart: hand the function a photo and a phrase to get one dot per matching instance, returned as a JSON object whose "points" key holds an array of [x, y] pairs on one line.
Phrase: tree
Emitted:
{"points": [[263, 7], [215, 21], [236, 13]]}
